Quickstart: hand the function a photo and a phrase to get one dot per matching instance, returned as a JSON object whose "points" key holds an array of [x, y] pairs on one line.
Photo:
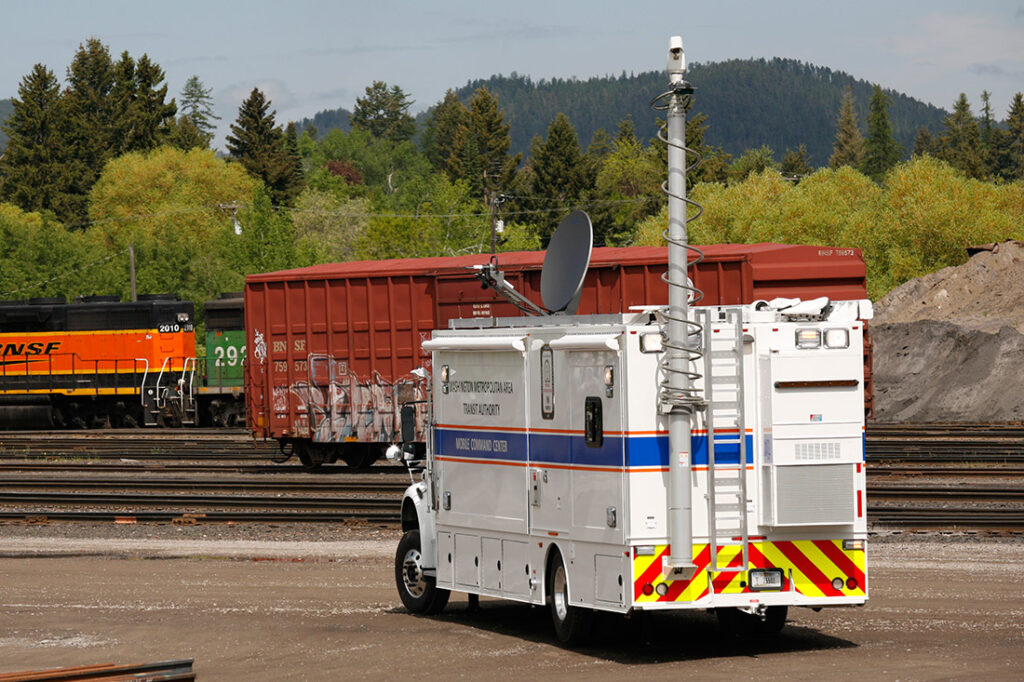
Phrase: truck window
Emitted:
{"points": [[593, 422]]}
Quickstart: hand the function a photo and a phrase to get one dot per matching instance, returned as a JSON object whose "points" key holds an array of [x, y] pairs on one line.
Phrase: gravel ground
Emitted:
{"points": [[942, 607]]}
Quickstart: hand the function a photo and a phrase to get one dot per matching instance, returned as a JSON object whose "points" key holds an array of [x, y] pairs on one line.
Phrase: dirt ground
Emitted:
{"points": [[939, 609], [950, 346]]}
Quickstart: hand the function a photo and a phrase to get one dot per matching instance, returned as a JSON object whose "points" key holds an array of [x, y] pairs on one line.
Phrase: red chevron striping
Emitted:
{"points": [[723, 580], [842, 562], [649, 575], [676, 587], [807, 567]]}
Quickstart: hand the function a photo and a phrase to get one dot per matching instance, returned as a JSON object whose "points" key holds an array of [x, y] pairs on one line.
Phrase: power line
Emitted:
{"points": [[65, 274]]}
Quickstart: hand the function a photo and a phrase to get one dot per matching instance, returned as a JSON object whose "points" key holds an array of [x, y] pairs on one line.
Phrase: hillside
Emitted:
{"points": [[781, 103], [751, 102]]}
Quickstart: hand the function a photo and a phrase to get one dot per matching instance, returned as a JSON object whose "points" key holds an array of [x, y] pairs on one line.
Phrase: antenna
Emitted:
{"points": [[566, 263], [561, 278]]}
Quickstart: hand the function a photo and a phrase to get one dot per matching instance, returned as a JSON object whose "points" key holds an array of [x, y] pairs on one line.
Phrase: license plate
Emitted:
{"points": [[766, 579]]}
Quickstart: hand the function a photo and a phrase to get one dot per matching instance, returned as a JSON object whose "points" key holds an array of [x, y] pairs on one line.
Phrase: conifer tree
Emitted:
{"points": [[1013, 168], [557, 163], [848, 148], [881, 151], [960, 143], [93, 122], [924, 143], [796, 164], [149, 118], [384, 113], [442, 130], [32, 171], [262, 148], [197, 106]]}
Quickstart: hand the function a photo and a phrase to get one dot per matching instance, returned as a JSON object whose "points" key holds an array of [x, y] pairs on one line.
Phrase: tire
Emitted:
{"points": [[741, 624], [420, 593], [573, 624]]}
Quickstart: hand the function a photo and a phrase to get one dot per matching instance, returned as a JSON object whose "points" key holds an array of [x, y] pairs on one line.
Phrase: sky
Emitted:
{"points": [[307, 56]]}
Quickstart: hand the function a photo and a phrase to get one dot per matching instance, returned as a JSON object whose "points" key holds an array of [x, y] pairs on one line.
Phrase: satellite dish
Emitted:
{"points": [[566, 263]]}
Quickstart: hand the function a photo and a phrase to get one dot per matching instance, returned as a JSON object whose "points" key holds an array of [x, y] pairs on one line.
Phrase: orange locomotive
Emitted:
{"points": [[97, 362]]}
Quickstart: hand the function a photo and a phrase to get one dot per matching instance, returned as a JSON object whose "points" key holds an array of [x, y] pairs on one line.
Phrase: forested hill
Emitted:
{"points": [[326, 120], [5, 110], [781, 103]]}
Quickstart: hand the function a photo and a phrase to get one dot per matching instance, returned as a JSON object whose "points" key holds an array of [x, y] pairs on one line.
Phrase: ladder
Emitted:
{"points": [[726, 431]]}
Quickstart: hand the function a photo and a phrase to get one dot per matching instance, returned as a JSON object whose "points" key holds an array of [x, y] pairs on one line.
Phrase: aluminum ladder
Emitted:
{"points": [[726, 431]]}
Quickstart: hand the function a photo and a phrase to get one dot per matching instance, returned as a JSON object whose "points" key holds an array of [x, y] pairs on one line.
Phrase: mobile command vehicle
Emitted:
{"points": [[672, 457]]}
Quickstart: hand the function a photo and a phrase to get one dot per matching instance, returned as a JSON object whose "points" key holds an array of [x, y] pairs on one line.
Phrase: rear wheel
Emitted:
{"points": [[419, 592], [573, 624]]}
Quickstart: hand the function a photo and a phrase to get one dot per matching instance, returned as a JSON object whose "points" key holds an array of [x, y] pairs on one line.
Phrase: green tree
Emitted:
{"points": [[384, 113], [960, 143], [442, 131], [848, 148], [628, 186], [32, 167], [752, 161], [197, 107], [796, 164], [557, 166], [480, 155], [39, 257], [92, 122], [267, 242], [184, 135], [1013, 146], [329, 226], [881, 151], [924, 143], [264, 150], [168, 203]]}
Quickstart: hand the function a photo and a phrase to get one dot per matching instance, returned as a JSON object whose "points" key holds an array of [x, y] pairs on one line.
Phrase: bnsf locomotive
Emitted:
{"points": [[100, 362]]}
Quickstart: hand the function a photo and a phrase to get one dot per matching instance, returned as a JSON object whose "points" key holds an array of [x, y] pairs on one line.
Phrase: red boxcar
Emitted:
{"points": [[333, 346]]}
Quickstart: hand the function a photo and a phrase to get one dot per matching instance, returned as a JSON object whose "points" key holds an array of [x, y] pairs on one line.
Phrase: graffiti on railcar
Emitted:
{"points": [[340, 406]]}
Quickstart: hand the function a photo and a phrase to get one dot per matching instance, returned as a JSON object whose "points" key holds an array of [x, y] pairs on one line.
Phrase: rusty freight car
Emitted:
{"points": [[333, 347]]}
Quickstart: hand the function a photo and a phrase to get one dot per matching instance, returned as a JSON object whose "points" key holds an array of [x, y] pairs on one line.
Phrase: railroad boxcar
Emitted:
{"points": [[333, 346], [221, 402], [97, 362]]}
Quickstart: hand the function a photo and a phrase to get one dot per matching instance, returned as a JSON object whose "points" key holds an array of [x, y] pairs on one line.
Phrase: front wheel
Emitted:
{"points": [[419, 592], [572, 624]]}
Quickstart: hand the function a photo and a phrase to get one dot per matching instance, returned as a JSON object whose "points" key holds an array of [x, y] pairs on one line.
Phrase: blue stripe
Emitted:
{"points": [[640, 451]]}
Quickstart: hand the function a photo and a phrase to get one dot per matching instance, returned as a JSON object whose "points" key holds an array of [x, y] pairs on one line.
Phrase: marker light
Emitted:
{"points": [[444, 374], [852, 545], [851, 583], [650, 343], [837, 583], [609, 375], [648, 589], [808, 338], [661, 589], [837, 338]]}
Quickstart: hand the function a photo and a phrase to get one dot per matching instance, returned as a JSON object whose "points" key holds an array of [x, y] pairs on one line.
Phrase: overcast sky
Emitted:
{"points": [[308, 56]]}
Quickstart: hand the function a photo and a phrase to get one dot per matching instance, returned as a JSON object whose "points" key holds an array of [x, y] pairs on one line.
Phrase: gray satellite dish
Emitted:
{"points": [[566, 263]]}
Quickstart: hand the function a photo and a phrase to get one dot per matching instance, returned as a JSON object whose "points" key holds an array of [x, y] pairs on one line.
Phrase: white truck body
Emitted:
{"points": [[548, 435]]}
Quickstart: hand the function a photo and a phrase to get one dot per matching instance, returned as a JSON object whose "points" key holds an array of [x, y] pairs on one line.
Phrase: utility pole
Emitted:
{"points": [[131, 266]]}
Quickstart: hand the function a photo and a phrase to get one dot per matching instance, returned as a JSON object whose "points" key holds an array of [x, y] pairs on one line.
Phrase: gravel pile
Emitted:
{"points": [[950, 346]]}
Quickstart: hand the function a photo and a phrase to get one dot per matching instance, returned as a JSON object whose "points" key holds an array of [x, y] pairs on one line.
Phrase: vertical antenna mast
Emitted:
{"points": [[678, 398]]}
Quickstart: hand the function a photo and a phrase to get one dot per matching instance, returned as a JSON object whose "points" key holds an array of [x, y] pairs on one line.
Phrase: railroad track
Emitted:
{"points": [[165, 472]]}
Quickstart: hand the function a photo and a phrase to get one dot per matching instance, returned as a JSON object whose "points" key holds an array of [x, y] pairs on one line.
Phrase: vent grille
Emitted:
{"points": [[816, 452], [815, 494]]}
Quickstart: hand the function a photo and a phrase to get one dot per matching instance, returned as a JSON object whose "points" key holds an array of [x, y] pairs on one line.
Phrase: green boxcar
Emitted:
{"points": [[223, 369]]}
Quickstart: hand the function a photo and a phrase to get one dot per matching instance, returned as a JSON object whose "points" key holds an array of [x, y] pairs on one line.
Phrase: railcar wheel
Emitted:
{"points": [[742, 624], [573, 624], [419, 592]]}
